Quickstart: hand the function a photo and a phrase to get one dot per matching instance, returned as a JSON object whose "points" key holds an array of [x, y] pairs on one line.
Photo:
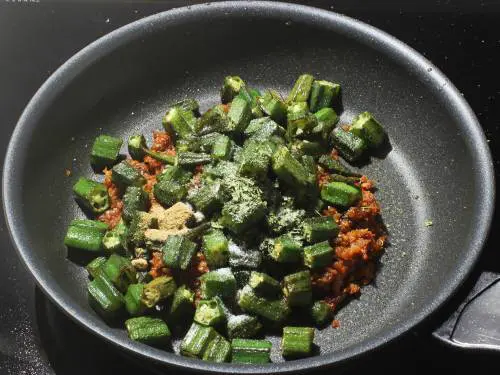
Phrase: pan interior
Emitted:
{"points": [[426, 176]]}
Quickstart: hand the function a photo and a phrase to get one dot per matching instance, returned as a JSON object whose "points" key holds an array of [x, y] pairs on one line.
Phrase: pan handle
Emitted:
{"points": [[475, 324]]}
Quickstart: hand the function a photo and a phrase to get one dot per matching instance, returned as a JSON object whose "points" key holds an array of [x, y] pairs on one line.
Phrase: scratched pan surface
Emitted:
{"points": [[439, 167]]}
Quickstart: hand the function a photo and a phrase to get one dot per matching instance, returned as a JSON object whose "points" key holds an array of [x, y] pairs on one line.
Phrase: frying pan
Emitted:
{"points": [[439, 167]]}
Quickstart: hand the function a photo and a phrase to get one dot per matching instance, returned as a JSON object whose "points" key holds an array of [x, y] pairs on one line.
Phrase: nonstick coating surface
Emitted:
{"points": [[439, 168]]}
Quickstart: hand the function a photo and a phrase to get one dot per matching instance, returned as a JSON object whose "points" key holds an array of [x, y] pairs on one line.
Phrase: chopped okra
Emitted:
{"points": [[151, 331], [105, 151], [233, 221], [297, 341], [251, 351], [92, 195]]}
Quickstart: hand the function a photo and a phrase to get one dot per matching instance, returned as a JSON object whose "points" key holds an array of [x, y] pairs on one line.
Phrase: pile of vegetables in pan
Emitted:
{"points": [[218, 244]]}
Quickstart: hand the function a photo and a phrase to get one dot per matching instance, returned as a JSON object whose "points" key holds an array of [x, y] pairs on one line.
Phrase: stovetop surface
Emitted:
{"points": [[37, 36]]}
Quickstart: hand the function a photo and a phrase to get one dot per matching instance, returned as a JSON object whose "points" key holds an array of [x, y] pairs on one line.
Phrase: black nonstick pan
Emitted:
{"points": [[439, 167]]}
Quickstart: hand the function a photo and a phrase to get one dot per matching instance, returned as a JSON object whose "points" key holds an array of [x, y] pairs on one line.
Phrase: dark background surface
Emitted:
{"points": [[461, 37]]}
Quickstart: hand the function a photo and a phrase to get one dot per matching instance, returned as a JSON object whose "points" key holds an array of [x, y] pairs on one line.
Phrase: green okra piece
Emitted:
{"points": [[300, 148], [213, 120], [183, 145], [196, 340], [169, 191], [309, 163], [119, 271], [321, 313], [115, 239], [273, 106], [220, 282], [263, 129], [253, 352], [255, 158], [180, 122], [104, 297], [264, 285], [136, 146], [333, 165], [134, 199], [92, 195], [340, 194], [251, 97], [139, 223], [367, 128], [240, 257], [182, 307], [286, 217], [157, 290], [188, 104], [243, 326], [349, 145], [320, 228], [125, 175], [297, 341], [105, 151], [192, 159], [300, 121], [218, 350], [206, 198], [286, 249], [209, 313], [318, 255], [239, 115], [215, 247], [222, 147], [327, 118], [237, 216], [150, 331], [274, 310], [289, 170], [301, 89], [206, 142], [175, 174], [230, 88], [223, 169], [94, 267], [162, 157], [133, 300], [178, 252], [85, 234], [322, 94], [297, 288]]}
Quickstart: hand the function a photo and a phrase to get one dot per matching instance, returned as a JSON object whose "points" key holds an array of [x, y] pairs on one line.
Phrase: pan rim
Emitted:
{"points": [[364, 32]]}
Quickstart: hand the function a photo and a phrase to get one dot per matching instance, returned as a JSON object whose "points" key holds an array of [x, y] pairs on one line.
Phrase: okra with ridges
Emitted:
{"points": [[350, 146], [178, 252], [92, 195], [318, 255], [196, 340], [367, 128], [252, 352], [85, 234], [322, 94], [297, 288], [136, 146], [105, 151], [340, 194], [151, 331], [301, 89], [297, 341]]}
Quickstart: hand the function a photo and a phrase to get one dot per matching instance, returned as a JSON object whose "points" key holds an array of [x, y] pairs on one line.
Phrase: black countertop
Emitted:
{"points": [[36, 36]]}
